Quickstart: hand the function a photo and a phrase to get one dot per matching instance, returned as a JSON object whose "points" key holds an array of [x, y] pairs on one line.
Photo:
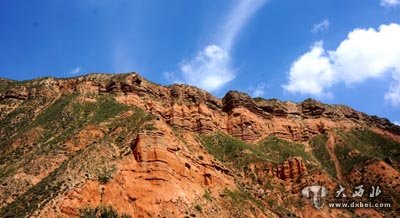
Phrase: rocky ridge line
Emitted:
{"points": [[126, 84]]}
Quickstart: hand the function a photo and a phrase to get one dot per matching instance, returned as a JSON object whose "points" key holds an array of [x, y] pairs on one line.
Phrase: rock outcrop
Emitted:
{"points": [[196, 110], [291, 169], [161, 177], [120, 140], [235, 99]]}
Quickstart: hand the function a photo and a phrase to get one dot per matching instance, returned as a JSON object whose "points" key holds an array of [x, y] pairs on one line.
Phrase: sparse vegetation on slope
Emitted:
{"points": [[321, 153], [365, 144], [68, 144], [228, 149], [101, 212], [239, 155], [59, 122], [278, 150], [240, 202]]}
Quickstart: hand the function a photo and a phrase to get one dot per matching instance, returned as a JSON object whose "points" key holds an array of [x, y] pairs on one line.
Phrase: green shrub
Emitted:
{"points": [[105, 174], [198, 208], [207, 195], [101, 212], [149, 127]]}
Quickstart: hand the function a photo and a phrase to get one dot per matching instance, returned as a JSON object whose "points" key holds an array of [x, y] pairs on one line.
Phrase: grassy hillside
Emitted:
{"points": [[275, 150], [59, 122], [321, 153], [239, 155], [367, 145]]}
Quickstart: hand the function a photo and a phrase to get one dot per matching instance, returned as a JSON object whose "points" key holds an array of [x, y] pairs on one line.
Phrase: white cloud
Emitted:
{"points": [[75, 71], [211, 68], [368, 53], [321, 27], [235, 21], [396, 123], [258, 91], [365, 54], [390, 3], [312, 73]]}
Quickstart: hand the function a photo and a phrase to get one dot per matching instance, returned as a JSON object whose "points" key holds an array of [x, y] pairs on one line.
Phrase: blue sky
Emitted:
{"points": [[337, 51]]}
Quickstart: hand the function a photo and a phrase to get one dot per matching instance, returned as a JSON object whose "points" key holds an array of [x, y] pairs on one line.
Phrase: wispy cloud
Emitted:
{"points": [[321, 27], [365, 54], [390, 3], [170, 76], [235, 20], [75, 71], [122, 58], [259, 90], [211, 68], [397, 123]]}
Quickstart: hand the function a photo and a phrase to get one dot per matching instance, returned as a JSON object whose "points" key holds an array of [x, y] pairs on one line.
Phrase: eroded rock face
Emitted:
{"points": [[21, 93], [196, 118], [243, 124], [235, 99], [376, 173], [311, 107], [196, 110], [161, 176], [292, 168], [154, 152], [163, 169], [274, 107]]}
